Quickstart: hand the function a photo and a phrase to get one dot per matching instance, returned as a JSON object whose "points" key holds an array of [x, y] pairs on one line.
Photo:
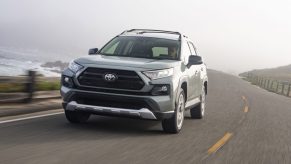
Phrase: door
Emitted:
{"points": [[189, 72], [197, 82]]}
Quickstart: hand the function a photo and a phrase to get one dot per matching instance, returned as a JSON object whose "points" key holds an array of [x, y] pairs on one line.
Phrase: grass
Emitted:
{"points": [[48, 86], [20, 87], [11, 87]]}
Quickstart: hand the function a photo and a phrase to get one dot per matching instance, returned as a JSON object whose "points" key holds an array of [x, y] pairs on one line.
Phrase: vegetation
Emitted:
{"points": [[8, 87], [280, 73], [47, 86], [11, 87]]}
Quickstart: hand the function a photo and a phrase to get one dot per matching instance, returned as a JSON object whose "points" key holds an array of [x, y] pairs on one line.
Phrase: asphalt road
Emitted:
{"points": [[243, 124]]}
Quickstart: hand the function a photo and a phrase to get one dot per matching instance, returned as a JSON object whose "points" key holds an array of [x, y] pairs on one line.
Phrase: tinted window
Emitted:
{"points": [[142, 47], [158, 51], [111, 49]]}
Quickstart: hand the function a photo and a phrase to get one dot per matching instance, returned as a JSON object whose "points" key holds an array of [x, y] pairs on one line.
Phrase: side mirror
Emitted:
{"points": [[194, 60], [93, 51]]}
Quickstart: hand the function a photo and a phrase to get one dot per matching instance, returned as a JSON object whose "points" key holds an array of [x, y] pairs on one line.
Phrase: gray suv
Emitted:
{"points": [[141, 73]]}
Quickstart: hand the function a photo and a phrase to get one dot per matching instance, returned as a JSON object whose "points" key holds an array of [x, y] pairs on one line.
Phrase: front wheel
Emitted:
{"points": [[76, 116], [198, 111], [174, 124]]}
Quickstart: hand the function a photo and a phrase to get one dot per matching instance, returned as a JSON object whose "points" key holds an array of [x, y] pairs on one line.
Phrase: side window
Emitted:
{"points": [[186, 52], [157, 51], [193, 51], [111, 48]]}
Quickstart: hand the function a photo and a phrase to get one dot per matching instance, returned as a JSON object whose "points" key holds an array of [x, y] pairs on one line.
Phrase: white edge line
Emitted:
{"points": [[31, 117]]}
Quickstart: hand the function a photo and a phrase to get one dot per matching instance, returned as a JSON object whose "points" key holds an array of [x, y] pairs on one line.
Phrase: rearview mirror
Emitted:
{"points": [[93, 51], [194, 60]]}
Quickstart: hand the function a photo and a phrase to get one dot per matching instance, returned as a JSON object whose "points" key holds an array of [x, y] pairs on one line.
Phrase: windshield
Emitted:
{"points": [[142, 47]]}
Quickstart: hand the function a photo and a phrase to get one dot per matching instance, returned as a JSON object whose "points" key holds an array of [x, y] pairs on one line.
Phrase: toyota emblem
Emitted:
{"points": [[110, 77]]}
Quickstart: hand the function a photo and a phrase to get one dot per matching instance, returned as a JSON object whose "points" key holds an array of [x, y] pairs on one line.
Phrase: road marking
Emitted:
{"points": [[31, 117], [228, 135], [246, 109], [219, 143]]}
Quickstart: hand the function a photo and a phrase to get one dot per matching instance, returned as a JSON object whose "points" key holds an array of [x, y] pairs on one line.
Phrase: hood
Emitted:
{"points": [[127, 62]]}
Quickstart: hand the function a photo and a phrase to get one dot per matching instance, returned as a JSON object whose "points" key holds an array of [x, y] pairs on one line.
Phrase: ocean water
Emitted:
{"points": [[14, 62], [10, 67]]}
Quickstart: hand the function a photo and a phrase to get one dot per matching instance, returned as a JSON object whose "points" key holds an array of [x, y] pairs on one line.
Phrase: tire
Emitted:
{"points": [[198, 111], [76, 117], [174, 124]]}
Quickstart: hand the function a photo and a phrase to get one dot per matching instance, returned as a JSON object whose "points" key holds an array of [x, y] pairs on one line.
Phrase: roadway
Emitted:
{"points": [[243, 124]]}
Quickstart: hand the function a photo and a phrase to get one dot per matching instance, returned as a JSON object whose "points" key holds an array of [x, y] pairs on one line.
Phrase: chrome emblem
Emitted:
{"points": [[110, 77]]}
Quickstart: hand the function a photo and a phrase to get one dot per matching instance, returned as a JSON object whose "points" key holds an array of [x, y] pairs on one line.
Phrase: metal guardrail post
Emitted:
{"points": [[282, 91], [268, 84], [277, 88], [30, 86], [272, 84]]}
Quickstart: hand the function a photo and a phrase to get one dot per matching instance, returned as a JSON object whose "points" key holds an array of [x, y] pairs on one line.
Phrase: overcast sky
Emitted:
{"points": [[231, 35]]}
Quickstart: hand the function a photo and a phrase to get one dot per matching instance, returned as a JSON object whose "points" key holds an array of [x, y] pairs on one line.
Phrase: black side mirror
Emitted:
{"points": [[194, 60], [93, 51]]}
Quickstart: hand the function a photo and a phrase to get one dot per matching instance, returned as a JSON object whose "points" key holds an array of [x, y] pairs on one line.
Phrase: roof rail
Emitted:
{"points": [[141, 31]]}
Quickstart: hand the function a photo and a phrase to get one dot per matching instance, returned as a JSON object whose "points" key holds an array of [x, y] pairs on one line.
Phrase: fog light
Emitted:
{"points": [[164, 89], [67, 81], [161, 90]]}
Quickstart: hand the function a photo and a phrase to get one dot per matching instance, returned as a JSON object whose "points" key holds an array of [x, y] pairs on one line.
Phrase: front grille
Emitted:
{"points": [[114, 91], [127, 103], [94, 77]]}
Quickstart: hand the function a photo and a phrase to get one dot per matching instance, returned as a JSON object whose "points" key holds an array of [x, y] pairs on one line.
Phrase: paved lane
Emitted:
{"points": [[116, 140], [265, 134]]}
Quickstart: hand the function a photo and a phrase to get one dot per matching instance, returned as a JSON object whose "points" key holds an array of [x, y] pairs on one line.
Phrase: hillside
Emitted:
{"points": [[282, 73]]}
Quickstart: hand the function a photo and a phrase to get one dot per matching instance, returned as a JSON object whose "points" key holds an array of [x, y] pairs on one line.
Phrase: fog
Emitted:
{"points": [[232, 35]]}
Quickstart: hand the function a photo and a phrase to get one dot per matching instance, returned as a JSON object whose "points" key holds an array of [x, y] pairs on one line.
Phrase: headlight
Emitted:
{"points": [[157, 74], [74, 66]]}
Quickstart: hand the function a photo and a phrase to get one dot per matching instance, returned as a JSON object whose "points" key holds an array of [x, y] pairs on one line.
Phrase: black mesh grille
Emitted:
{"points": [[111, 102], [93, 77]]}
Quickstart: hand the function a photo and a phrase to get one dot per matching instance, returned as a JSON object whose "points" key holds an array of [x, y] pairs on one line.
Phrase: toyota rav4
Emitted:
{"points": [[141, 73]]}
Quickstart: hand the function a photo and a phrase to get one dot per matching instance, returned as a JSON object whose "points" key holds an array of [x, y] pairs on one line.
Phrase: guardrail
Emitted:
{"points": [[26, 84], [276, 86], [23, 88]]}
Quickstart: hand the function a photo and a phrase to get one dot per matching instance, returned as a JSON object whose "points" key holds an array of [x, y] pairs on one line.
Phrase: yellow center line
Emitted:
{"points": [[219, 143], [227, 135], [246, 109]]}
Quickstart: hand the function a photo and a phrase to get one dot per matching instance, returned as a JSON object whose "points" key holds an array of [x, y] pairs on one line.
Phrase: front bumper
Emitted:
{"points": [[143, 113], [102, 103]]}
